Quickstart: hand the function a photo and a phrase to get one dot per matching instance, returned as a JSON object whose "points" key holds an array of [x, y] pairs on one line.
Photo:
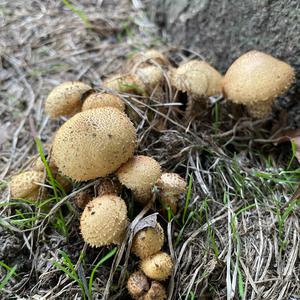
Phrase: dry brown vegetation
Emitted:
{"points": [[236, 234]]}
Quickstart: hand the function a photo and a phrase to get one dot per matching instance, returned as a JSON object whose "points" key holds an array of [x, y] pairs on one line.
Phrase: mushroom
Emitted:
{"points": [[137, 285], [148, 241], [255, 80], [158, 266], [26, 185], [139, 288], [104, 221], [98, 100], [139, 174], [66, 99], [156, 291], [93, 143], [147, 58], [171, 185], [109, 186]]}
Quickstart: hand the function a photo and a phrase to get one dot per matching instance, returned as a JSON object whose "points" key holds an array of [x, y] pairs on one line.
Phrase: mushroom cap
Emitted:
{"points": [[158, 266], [156, 291], [143, 59], [104, 221], [140, 174], [151, 76], [171, 185], [148, 241], [26, 185], [137, 285], [197, 78], [256, 76], [93, 143], [65, 99], [98, 100], [125, 83]]}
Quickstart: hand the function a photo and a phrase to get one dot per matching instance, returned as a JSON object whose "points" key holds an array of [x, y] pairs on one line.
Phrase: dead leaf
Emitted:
{"points": [[149, 221]]}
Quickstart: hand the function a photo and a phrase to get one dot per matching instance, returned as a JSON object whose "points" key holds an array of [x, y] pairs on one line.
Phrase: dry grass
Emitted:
{"points": [[236, 235]]}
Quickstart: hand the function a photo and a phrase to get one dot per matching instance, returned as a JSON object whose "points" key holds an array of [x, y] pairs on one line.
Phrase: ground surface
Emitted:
{"points": [[237, 232]]}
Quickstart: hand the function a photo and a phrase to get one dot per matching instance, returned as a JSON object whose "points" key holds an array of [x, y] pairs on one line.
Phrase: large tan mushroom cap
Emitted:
{"points": [[255, 79], [197, 78], [148, 241], [104, 221], [171, 185], [65, 99], [98, 100], [26, 185], [94, 143], [158, 266], [137, 285], [140, 174]]}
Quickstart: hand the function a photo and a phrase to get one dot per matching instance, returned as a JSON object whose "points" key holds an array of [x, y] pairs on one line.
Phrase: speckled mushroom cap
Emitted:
{"points": [[93, 143], [158, 266], [140, 174], [197, 78], [255, 79], [65, 99], [104, 221], [156, 291], [98, 100], [26, 185], [148, 241], [171, 185], [125, 83], [137, 285]]}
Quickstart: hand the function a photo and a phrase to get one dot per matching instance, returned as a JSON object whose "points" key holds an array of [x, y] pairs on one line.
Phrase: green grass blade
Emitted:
{"points": [[8, 276], [187, 198]]}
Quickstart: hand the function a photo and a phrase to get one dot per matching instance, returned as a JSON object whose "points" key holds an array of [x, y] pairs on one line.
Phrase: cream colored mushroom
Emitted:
{"points": [[26, 185], [148, 241], [255, 80], [171, 185], [139, 174], [94, 143], [158, 266], [66, 99], [104, 221], [98, 100]]}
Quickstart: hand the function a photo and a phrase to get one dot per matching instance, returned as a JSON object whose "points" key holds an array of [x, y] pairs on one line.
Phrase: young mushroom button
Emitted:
{"points": [[255, 80], [98, 100]]}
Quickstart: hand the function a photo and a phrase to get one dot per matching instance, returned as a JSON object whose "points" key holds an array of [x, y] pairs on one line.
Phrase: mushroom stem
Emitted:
{"points": [[260, 110]]}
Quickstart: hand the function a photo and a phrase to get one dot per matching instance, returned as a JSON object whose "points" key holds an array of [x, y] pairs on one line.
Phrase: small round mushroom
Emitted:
{"points": [[125, 83], [171, 185], [137, 285], [26, 185], [139, 174], [66, 99], [94, 143], [255, 80], [156, 292], [158, 266], [104, 221], [109, 186], [98, 100], [197, 78], [147, 58], [148, 241]]}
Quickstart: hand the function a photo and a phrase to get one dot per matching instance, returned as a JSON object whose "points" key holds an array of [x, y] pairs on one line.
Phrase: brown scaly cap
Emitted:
{"points": [[156, 291], [94, 143], [137, 285], [148, 241], [140, 174], [98, 100], [65, 99], [158, 266], [104, 221], [197, 78], [256, 79], [26, 185]]}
